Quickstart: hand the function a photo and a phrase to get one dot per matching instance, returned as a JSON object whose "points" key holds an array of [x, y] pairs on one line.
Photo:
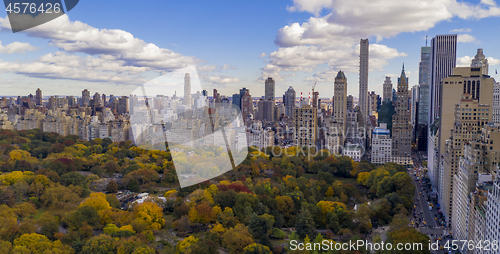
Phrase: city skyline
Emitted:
{"points": [[294, 47]]}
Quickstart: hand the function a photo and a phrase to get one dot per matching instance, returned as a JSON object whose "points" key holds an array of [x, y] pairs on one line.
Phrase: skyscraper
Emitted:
{"points": [[423, 81], [480, 61], [246, 105], [85, 97], [38, 97], [269, 89], [387, 89], [305, 123], [187, 89], [289, 101], [363, 79], [443, 60], [340, 104], [350, 102], [401, 125]]}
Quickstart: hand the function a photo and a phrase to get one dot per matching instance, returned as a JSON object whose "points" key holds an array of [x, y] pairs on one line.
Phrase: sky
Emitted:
{"points": [[113, 47]]}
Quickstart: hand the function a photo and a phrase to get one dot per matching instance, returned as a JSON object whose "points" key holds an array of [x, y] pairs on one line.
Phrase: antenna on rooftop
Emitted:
{"points": [[426, 40]]}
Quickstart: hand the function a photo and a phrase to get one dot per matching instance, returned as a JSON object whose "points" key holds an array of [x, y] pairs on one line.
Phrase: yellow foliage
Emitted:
{"points": [[216, 210], [151, 213], [329, 193], [362, 177], [224, 183], [127, 228], [188, 241], [218, 229], [14, 176], [170, 193], [329, 206], [96, 200]]}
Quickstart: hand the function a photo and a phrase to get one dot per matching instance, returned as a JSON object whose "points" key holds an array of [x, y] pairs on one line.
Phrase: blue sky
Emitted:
{"points": [[112, 47]]}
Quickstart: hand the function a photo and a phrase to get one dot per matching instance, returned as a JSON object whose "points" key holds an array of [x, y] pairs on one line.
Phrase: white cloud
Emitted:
{"points": [[493, 61], [466, 38], [17, 47], [61, 65], [464, 61], [262, 55], [220, 79], [488, 2], [331, 35], [462, 30], [227, 66], [113, 44]]}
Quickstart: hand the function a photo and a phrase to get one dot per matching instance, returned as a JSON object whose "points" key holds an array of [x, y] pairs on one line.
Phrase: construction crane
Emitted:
{"points": [[314, 86]]}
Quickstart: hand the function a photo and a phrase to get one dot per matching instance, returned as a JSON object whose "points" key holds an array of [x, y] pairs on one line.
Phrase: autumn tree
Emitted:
{"points": [[256, 248], [49, 225], [237, 238], [151, 214], [100, 244], [97, 200], [202, 213]]}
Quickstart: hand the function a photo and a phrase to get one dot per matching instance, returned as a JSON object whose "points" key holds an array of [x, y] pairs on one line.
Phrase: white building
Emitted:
{"points": [[381, 145], [493, 216], [354, 151], [496, 103]]}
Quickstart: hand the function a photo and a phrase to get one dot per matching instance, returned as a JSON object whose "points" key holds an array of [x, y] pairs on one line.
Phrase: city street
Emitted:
{"points": [[421, 212]]}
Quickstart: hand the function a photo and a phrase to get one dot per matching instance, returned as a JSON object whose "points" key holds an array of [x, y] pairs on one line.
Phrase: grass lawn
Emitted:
{"points": [[169, 219]]}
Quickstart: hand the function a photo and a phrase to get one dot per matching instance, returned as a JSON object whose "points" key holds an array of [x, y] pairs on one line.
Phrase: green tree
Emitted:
{"points": [[305, 225], [112, 187], [103, 244], [133, 185]]}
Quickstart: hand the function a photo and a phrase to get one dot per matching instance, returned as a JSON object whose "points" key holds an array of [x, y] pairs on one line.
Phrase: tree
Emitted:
{"points": [[72, 178], [38, 244], [113, 201], [49, 225], [237, 238], [112, 187], [259, 227], [133, 185], [201, 213], [83, 214], [97, 200], [102, 244], [305, 225], [181, 210], [25, 209], [182, 224], [256, 248], [150, 213]]}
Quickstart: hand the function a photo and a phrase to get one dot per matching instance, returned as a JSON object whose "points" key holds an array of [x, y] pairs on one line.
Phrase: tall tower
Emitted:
{"points": [[187, 89], [443, 60], [340, 102], [387, 89], [289, 101], [423, 81], [85, 97], [401, 125], [38, 97], [363, 79], [269, 93], [246, 105], [480, 61]]}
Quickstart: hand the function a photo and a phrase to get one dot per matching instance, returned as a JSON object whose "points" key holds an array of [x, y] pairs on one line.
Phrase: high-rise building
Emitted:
{"points": [[480, 61], [339, 106], [315, 103], [381, 145], [97, 101], [496, 103], [123, 105], [493, 216], [350, 102], [269, 89], [413, 105], [38, 97], [479, 91], [401, 125], [423, 82], [387, 89], [246, 105], [265, 110], [289, 100], [187, 90], [478, 164], [237, 100], [373, 101], [85, 97], [216, 97], [305, 122], [443, 60], [363, 79], [103, 98]]}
